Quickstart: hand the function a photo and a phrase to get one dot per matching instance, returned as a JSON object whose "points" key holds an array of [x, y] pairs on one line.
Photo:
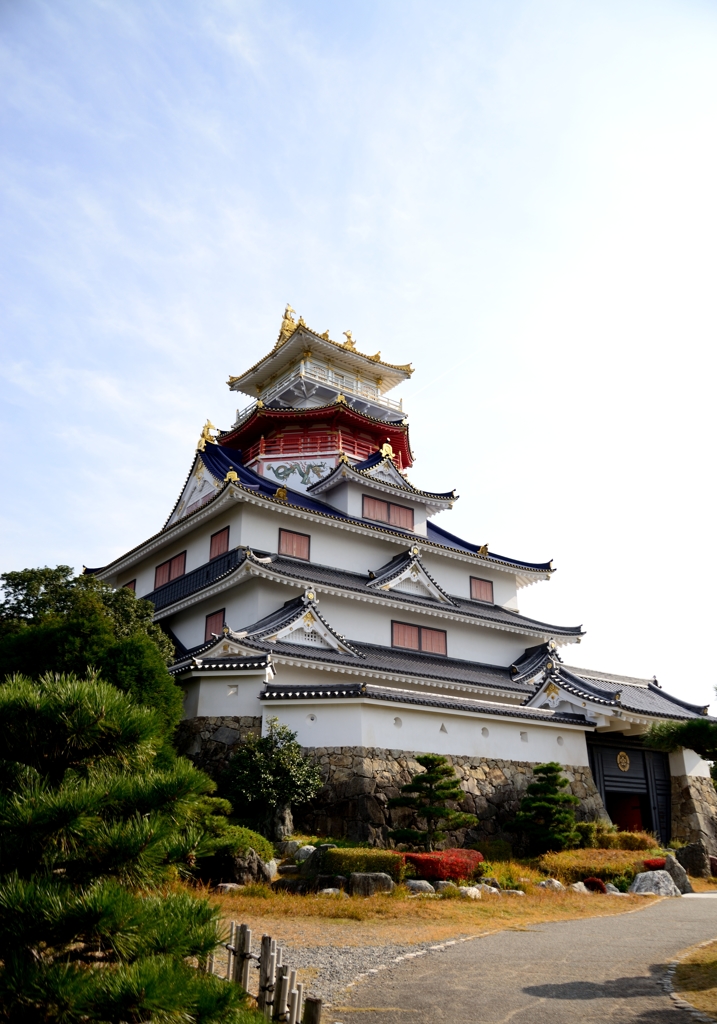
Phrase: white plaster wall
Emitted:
{"points": [[687, 762], [216, 696], [363, 723], [454, 577]]}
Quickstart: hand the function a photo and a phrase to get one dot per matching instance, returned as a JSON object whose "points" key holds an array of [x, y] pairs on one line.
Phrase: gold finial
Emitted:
{"points": [[349, 343], [231, 380], [387, 451], [225, 630], [232, 476], [280, 493], [302, 322], [259, 404], [376, 358], [206, 436], [288, 325], [340, 400], [343, 457], [325, 336], [483, 550]]}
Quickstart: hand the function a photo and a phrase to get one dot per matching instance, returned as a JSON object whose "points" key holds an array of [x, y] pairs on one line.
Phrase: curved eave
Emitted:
{"points": [[406, 491], [253, 377]]}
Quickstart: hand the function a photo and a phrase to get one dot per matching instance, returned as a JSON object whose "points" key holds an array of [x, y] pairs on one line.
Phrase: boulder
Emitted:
{"points": [[695, 859], [613, 889], [330, 882], [245, 868], [550, 883], [311, 864], [470, 892], [488, 890], [678, 875], [713, 866], [329, 892], [227, 887], [658, 883], [579, 887], [442, 886], [368, 883], [303, 853], [289, 847], [512, 892], [288, 869], [418, 885], [492, 882], [297, 885]]}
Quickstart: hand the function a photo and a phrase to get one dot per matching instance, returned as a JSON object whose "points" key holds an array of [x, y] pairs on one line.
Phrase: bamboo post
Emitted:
{"points": [[263, 970], [243, 957], [209, 966], [230, 948], [297, 998], [270, 980], [312, 1010], [281, 993]]}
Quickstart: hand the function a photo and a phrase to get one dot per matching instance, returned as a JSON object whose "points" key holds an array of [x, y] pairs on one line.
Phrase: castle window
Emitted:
{"points": [[219, 544], [294, 544], [387, 512], [170, 570], [214, 623], [481, 590], [132, 585], [418, 638]]}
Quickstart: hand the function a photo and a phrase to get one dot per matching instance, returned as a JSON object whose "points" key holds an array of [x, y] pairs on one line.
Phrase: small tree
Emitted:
{"points": [[53, 621], [546, 817], [91, 829], [266, 776], [428, 794]]}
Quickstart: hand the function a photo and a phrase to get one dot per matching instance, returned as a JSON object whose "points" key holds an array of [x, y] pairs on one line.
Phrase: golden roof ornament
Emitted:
{"points": [[340, 400], [349, 343], [232, 476], [343, 457], [288, 325], [483, 550], [207, 436], [281, 493], [387, 450]]}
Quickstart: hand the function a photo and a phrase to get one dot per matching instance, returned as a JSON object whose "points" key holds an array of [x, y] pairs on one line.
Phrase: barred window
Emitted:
{"points": [[170, 570], [214, 623], [387, 512], [418, 638], [294, 544], [219, 544], [481, 590]]}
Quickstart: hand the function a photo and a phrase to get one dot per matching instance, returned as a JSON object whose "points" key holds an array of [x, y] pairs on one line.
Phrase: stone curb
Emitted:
{"points": [[674, 996]]}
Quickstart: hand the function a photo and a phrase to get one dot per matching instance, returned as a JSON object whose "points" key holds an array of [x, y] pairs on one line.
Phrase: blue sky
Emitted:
{"points": [[517, 197]]}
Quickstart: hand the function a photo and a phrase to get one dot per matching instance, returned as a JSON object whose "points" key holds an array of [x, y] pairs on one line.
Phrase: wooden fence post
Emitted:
{"points": [[242, 941], [281, 994], [264, 959], [312, 1010], [230, 950]]}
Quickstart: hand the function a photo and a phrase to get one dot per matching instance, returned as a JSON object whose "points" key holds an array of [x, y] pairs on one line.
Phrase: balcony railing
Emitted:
{"points": [[195, 580], [314, 443]]}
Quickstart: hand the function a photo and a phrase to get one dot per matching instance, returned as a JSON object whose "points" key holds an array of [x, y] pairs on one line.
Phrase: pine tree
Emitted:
{"points": [[267, 775], [428, 794], [93, 833], [546, 817]]}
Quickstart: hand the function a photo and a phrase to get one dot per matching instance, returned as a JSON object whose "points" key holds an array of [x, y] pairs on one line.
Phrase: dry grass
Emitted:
{"points": [[574, 865], [398, 918], [704, 884], [696, 979]]}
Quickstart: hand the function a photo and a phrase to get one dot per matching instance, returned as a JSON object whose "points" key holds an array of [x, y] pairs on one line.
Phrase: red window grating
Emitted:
{"points": [[219, 544], [214, 624], [294, 544], [170, 570], [481, 590], [418, 638], [387, 512], [132, 585]]}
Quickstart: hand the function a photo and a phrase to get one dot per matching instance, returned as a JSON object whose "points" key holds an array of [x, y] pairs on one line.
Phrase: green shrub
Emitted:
{"points": [[546, 817], [344, 862], [598, 835], [587, 830], [236, 839]]}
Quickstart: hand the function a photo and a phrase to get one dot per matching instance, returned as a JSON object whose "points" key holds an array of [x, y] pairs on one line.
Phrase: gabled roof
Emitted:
{"points": [[381, 470], [404, 567], [602, 696], [292, 622], [275, 693]]}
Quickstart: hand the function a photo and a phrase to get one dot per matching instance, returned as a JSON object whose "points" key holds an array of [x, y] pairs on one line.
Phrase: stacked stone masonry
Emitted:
{"points": [[210, 742], [694, 810]]}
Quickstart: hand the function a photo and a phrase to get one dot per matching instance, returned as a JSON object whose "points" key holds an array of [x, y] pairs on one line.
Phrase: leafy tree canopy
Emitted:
{"points": [[266, 776], [546, 817], [92, 831], [52, 621], [430, 794]]}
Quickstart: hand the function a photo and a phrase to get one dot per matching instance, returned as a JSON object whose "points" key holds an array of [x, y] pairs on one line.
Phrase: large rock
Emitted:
{"points": [[470, 892], [303, 853], [368, 883], [678, 875], [313, 863], [418, 885], [695, 859], [713, 866], [492, 882], [244, 868], [289, 848], [488, 890], [330, 882], [580, 887], [442, 886], [658, 883], [550, 883]]}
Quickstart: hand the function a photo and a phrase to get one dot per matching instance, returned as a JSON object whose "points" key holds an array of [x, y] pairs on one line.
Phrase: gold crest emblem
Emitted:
{"points": [[623, 761]]}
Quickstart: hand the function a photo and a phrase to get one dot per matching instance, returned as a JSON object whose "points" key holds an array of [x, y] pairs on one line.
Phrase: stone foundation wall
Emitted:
{"points": [[694, 810], [210, 742], [359, 781]]}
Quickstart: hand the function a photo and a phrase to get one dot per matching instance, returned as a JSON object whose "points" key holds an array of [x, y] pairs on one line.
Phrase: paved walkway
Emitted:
{"points": [[570, 972]]}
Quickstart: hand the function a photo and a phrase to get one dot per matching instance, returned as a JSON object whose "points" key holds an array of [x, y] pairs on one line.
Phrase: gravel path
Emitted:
{"points": [[600, 969]]}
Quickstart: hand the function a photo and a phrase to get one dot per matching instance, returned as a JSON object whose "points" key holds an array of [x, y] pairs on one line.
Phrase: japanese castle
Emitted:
{"points": [[302, 575]]}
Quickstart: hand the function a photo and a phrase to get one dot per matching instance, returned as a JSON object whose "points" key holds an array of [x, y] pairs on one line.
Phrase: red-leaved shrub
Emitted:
{"points": [[654, 864], [595, 885], [445, 865]]}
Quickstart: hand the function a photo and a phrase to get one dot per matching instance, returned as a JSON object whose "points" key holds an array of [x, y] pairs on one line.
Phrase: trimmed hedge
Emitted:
{"points": [[597, 835], [235, 839], [446, 865], [344, 862], [609, 865], [654, 863]]}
